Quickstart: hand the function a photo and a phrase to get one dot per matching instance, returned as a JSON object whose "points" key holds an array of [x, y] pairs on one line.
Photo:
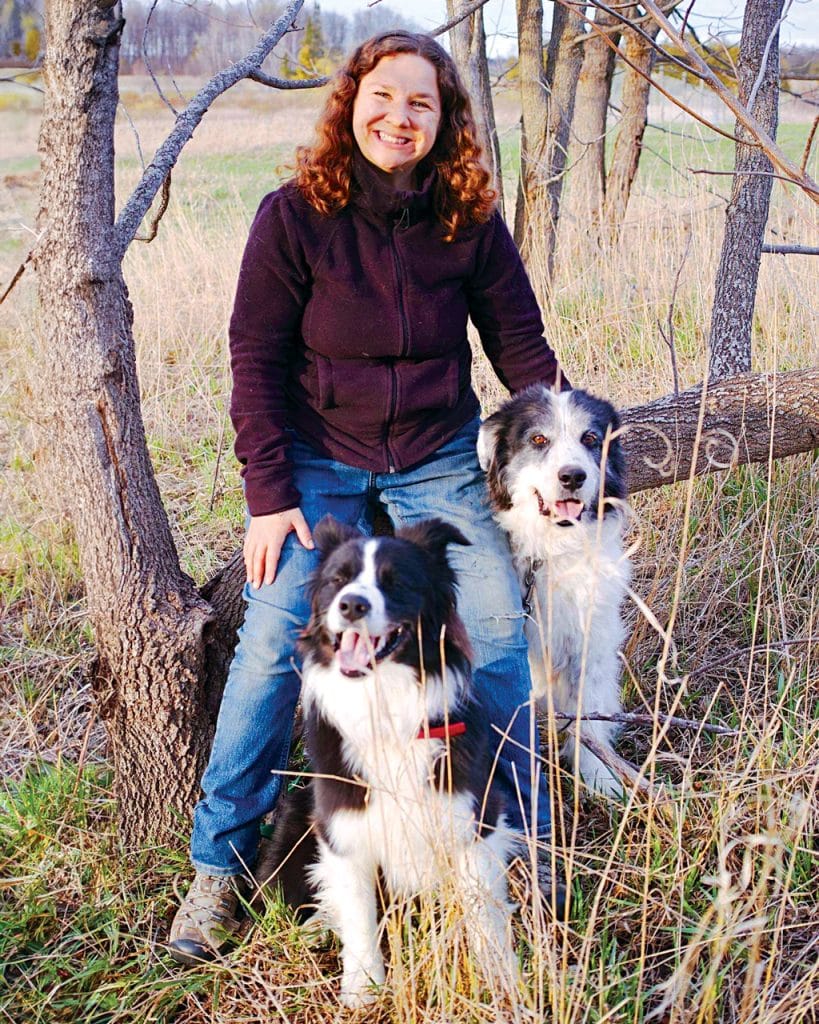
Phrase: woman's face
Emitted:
{"points": [[396, 113]]}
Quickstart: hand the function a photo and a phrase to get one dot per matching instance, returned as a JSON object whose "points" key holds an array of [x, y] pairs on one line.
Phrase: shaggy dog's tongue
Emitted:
{"points": [[354, 651], [569, 509]]}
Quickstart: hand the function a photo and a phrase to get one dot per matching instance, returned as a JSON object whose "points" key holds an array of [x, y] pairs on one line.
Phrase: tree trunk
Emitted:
{"points": [[748, 418], [729, 343], [629, 142], [532, 78], [547, 101], [148, 619], [468, 42], [587, 153]]}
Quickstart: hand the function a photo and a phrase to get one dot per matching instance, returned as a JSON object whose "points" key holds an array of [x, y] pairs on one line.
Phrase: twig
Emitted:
{"points": [[761, 649], [809, 188], [765, 54], [163, 206], [17, 275], [157, 86], [669, 338], [640, 718], [809, 144]]}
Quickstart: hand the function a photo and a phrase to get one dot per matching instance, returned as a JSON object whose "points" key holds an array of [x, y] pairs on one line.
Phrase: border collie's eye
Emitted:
{"points": [[590, 439], [386, 578], [538, 440]]}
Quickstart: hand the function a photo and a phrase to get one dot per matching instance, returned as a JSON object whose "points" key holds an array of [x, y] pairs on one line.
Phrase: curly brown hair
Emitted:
{"points": [[463, 194]]}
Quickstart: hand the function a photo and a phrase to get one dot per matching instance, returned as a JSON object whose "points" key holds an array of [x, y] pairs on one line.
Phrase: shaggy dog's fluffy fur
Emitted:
{"points": [[399, 749], [556, 479]]}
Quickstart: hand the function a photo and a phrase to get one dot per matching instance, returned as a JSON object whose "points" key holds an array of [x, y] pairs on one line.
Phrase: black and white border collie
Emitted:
{"points": [[556, 477], [400, 754]]}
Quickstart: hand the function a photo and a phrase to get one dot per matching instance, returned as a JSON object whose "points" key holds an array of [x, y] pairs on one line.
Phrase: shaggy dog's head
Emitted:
{"points": [[375, 599], [555, 456]]}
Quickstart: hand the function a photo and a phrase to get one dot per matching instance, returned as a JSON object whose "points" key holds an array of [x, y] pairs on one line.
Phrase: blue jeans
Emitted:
{"points": [[252, 742]]}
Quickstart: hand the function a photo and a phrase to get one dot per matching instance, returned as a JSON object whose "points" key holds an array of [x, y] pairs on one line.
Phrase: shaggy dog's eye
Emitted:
{"points": [[538, 440], [590, 439]]}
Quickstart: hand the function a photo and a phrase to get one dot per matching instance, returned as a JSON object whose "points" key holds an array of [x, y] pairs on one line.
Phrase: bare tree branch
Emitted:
{"points": [[288, 83], [742, 114], [791, 250], [459, 17], [187, 121]]}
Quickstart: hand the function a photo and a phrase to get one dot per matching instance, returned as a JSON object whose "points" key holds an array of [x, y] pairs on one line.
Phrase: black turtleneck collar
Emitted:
{"points": [[373, 191]]}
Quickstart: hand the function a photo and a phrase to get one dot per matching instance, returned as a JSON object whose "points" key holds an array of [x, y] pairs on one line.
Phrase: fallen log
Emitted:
{"points": [[753, 417]]}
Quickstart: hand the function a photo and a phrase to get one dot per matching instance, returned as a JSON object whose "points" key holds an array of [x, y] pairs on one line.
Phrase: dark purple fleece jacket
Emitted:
{"points": [[351, 330]]}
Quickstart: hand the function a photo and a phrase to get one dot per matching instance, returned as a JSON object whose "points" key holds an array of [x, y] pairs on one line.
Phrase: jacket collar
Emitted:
{"points": [[373, 192]]}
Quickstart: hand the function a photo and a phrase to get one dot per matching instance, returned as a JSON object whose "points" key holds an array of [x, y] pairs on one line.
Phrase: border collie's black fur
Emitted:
{"points": [[399, 749]]}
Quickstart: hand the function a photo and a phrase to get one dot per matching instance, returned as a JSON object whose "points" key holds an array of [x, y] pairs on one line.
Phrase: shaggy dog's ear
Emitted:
{"points": [[330, 533], [433, 535], [487, 440], [492, 454]]}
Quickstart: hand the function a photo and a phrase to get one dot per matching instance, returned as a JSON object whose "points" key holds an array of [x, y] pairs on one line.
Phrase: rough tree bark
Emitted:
{"points": [[741, 419], [729, 343], [587, 153], [468, 42], [547, 103], [628, 145], [152, 628]]}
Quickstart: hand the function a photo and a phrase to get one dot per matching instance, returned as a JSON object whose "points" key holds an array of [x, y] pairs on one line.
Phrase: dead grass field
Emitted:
{"points": [[699, 908]]}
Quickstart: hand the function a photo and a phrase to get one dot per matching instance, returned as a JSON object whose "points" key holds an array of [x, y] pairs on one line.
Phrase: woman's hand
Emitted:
{"points": [[264, 539]]}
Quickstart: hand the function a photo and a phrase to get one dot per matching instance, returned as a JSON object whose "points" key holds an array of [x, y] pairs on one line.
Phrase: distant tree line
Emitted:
{"points": [[199, 39]]}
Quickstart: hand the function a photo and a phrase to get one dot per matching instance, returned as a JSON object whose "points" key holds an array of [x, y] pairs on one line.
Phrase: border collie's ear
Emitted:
{"points": [[330, 533], [433, 535]]}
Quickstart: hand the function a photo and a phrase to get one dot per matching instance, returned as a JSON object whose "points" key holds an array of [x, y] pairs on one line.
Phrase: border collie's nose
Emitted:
{"points": [[572, 477], [354, 607]]}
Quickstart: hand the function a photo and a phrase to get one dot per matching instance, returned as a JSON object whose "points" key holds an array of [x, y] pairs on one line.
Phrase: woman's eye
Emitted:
{"points": [[538, 440], [420, 104], [590, 439]]}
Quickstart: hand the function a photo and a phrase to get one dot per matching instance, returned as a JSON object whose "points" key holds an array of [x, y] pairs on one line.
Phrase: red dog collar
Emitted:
{"points": [[441, 732]]}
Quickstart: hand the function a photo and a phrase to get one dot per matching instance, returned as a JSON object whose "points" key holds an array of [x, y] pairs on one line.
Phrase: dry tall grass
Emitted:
{"points": [[697, 907]]}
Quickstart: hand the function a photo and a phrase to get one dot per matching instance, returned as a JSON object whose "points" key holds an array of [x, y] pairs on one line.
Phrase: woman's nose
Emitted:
{"points": [[400, 114]]}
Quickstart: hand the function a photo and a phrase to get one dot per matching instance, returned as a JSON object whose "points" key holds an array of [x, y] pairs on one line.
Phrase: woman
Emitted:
{"points": [[351, 391]]}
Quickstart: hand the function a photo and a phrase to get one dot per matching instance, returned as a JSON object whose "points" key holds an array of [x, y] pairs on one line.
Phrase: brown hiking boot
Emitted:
{"points": [[550, 889], [207, 919]]}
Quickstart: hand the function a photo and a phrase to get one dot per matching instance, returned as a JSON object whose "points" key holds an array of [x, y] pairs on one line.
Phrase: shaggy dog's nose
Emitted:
{"points": [[571, 477], [354, 607]]}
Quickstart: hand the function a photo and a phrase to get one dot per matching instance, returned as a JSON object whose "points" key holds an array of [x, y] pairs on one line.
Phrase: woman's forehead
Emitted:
{"points": [[409, 71]]}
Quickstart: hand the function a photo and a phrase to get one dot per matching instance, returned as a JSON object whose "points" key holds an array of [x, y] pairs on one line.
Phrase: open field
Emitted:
{"points": [[699, 909]]}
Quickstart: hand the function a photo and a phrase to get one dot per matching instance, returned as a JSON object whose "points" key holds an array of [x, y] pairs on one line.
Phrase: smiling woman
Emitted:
{"points": [[351, 390]]}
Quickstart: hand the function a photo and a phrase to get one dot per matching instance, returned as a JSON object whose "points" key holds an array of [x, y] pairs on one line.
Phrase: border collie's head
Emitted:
{"points": [[371, 596], [543, 453]]}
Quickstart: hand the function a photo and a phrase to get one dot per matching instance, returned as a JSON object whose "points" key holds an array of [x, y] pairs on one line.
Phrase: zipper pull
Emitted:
{"points": [[404, 220]]}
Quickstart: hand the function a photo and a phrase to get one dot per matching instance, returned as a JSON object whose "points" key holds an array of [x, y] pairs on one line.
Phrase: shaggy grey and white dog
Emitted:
{"points": [[556, 477]]}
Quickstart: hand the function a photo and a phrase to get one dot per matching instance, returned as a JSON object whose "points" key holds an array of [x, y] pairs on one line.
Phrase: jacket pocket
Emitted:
{"points": [[427, 386]]}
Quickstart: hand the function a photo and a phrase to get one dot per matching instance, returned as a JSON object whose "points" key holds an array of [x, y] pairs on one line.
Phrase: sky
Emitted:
{"points": [[802, 24]]}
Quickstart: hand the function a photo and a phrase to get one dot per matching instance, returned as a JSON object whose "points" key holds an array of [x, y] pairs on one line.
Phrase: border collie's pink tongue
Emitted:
{"points": [[354, 651], [568, 509]]}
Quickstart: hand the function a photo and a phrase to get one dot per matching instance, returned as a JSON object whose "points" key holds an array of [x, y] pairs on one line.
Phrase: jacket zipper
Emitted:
{"points": [[400, 224]]}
